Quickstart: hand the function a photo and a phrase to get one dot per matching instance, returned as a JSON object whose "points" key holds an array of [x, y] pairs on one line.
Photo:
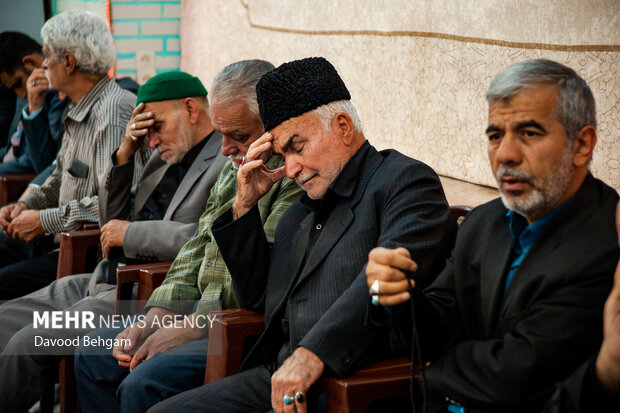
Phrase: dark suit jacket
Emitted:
{"points": [[395, 201], [581, 393], [496, 353], [161, 239]]}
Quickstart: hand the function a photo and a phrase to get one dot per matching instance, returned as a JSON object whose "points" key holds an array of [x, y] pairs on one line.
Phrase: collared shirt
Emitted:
{"points": [[156, 205], [524, 236], [199, 271], [94, 127]]}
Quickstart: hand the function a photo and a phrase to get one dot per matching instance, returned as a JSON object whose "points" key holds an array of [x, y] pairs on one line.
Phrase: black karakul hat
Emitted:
{"points": [[297, 87]]}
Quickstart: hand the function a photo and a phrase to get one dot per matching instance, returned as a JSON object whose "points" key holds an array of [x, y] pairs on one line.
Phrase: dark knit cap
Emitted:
{"points": [[297, 87], [170, 85]]}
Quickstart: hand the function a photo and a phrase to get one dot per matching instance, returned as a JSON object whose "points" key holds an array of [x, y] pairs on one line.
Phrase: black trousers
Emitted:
{"points": [[24, 267]]}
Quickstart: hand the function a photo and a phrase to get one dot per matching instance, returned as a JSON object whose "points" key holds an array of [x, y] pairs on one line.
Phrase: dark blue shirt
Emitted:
{"points": [[524, 236]]}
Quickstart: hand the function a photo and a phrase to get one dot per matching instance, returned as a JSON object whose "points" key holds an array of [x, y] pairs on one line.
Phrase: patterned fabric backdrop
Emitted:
{"points": [[418, 70]]}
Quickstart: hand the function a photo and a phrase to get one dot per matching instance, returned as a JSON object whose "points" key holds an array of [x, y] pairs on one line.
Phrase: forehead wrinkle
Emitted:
{"points": [[289, 141]]}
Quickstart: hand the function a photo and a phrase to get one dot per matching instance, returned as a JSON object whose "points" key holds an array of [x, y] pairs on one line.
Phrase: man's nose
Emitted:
{"points": [[509, 150], [228, 147], [291, 167]]}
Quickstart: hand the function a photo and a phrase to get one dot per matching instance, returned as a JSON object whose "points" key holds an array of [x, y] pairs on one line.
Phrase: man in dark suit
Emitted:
{"points": [[311, 283], [170, 195], [595, 385], [519, 303]]}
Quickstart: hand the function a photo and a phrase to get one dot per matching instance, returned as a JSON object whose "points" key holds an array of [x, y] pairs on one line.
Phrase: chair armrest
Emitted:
{"points": [[129, 274], [387, 378], [73, 248], [12, 186], [226, 338]]}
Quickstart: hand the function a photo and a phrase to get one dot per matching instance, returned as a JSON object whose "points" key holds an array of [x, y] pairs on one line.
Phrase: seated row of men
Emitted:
{"points": [[299, 223]]}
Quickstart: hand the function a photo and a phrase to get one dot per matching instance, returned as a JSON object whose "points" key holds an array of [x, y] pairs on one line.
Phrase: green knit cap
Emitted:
{"points": [[170, 85]]}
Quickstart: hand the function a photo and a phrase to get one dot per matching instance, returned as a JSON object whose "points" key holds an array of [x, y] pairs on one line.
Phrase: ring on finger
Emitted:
{"points": [[34, 83], [300, 397], [374, 288], [288, 400], [133, 138], [244, 160], [375, 299], [133, 126]]}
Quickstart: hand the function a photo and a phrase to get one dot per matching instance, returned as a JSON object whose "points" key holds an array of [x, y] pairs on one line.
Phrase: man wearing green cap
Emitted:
{"points": [[151, 224], [162, 359]]}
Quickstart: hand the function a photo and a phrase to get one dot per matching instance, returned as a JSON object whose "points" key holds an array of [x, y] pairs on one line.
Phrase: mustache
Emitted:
{"points": [[301, 179], [505, 171]]}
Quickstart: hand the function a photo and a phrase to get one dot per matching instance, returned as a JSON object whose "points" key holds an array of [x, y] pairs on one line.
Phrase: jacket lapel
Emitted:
{"points": [[493, 266], [339, 220], [154, 171], [557, 231], [342, 216], [298, 251], [202, 162]]}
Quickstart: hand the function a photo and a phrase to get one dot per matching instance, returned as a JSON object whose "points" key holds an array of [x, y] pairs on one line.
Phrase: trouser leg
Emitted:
{"points": [[13, 250], [21, 278], [98, 374], [59, 295], [163, 376], [248, 391], [28, 366]]}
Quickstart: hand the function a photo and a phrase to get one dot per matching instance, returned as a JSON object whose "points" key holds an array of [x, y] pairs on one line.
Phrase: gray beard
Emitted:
{"points": [[544, 196]]}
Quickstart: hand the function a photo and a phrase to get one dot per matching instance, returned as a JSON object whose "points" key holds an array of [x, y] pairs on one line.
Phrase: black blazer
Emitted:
{"points": [[396, 201], [581, 393], [496, 353]]}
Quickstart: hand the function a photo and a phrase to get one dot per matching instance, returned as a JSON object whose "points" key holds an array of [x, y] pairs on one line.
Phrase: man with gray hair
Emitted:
{"points": [[519, 304], [78, 50], [149, 223], [311, 283], [161, 361]]}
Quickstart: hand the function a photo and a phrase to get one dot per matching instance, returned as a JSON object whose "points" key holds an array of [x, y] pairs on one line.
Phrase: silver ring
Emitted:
{"points": [[374, 288], [288, 400], [133, 126], [243, 160], [133, 138], [300, 397], [34, 83], [375, 299]]}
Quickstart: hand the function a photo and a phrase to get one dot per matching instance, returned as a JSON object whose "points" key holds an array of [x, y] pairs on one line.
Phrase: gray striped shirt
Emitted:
{"points": [[94, 128]]}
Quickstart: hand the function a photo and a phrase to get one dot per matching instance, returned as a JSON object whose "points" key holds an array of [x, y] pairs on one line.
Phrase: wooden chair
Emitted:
{"points": [[78, 250], [77, 255], [148, 277], [232, 328], [12, 186], [354, 393]]}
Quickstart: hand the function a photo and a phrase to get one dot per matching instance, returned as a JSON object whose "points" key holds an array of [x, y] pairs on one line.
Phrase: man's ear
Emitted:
{"points": [[70, 63], [345, 125], [584, 144], [192, 109]]}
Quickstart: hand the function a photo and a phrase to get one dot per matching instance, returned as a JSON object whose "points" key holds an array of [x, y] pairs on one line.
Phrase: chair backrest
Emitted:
{"points": [[12, 186], [459, 212]]}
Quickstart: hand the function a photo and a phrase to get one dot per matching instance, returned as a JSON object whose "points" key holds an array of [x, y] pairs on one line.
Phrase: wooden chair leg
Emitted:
{"points": [[69, 402], [46, 401]]}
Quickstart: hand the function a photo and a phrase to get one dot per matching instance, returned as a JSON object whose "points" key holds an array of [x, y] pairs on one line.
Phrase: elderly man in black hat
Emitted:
{"points": [[311, 283]]}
